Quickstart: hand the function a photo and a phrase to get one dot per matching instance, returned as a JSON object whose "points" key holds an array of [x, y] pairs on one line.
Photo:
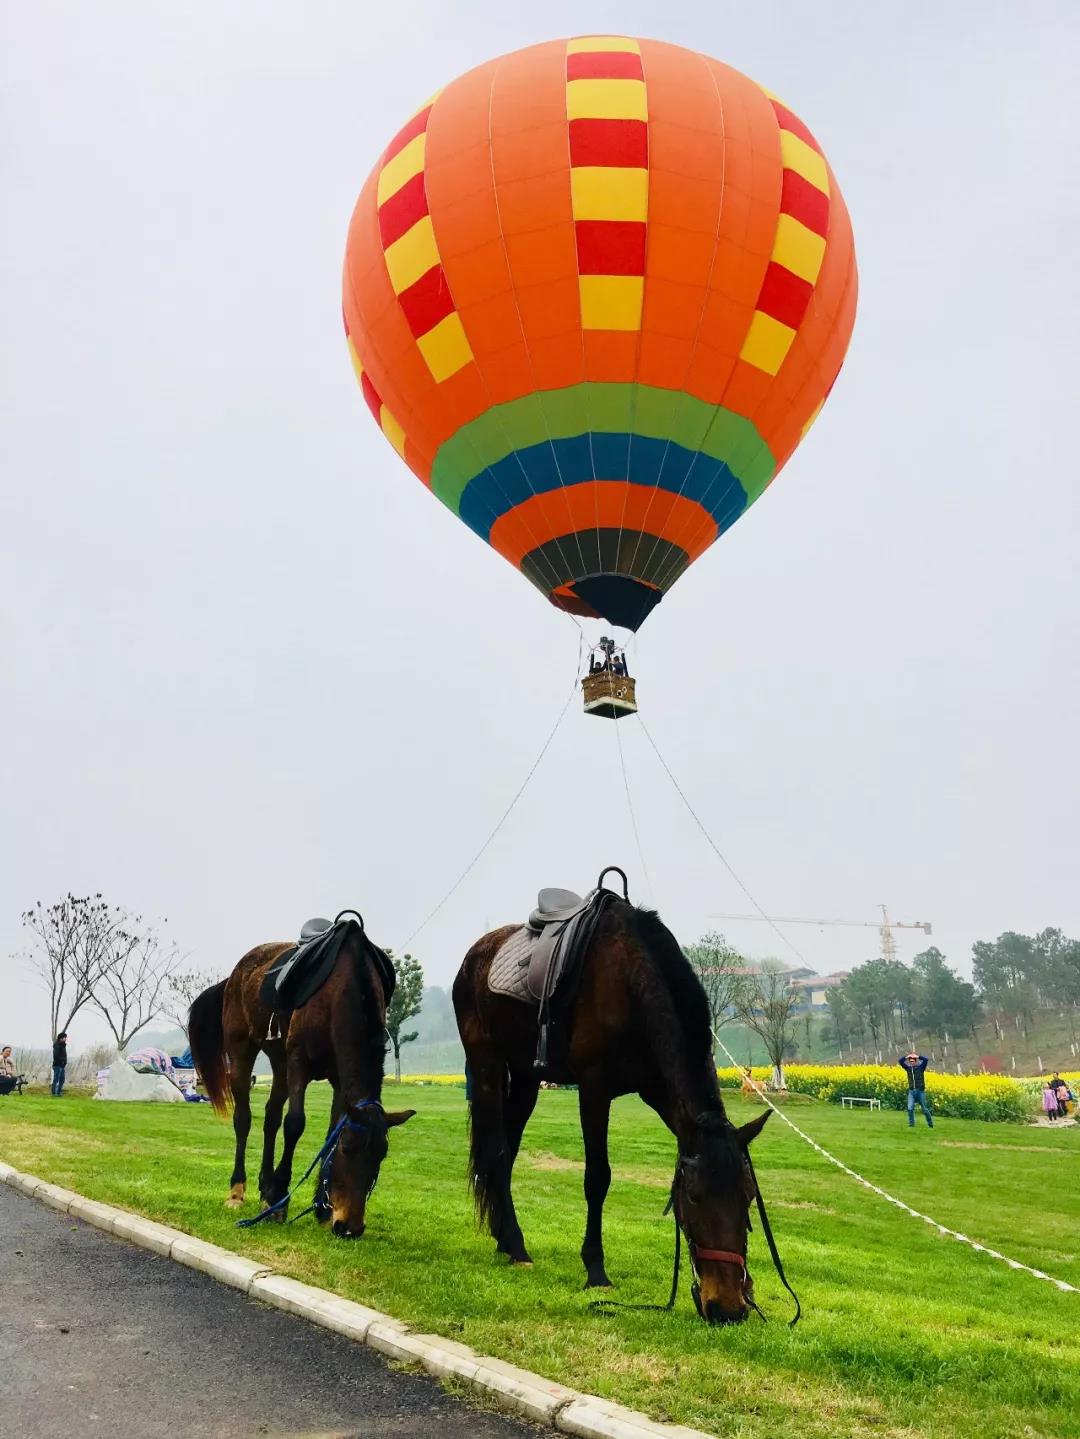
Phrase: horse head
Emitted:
{"points": [[355, 1163], [711, 1195]]}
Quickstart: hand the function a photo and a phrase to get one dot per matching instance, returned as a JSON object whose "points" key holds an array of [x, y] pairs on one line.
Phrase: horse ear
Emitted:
{"points": [[749, 1132], [398, 1116]]}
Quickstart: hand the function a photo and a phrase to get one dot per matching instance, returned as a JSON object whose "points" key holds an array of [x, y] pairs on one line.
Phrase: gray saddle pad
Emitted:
{"points": [[509, 972]]}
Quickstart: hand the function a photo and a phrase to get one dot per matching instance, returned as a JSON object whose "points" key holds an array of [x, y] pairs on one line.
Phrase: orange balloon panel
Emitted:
{"points": [[596, 292]]}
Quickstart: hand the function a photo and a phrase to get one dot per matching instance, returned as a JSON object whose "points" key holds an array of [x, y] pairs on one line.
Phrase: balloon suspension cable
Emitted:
{"points": [[633, 817], [463, 876], [715, 847]]}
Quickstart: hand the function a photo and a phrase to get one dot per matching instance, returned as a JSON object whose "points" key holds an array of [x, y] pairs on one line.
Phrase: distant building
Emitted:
{"points": [[814, 988]]}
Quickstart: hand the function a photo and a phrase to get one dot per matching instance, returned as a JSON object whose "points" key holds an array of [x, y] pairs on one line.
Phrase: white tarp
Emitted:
{"points": [[120, 1081]]}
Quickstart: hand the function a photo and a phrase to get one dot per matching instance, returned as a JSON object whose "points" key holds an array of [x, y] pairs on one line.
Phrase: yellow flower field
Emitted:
{"points": [[968, 1096]]}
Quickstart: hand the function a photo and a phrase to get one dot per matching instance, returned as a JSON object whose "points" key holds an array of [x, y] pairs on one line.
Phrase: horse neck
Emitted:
{"points": [[687, 1077], [357, 1029]]}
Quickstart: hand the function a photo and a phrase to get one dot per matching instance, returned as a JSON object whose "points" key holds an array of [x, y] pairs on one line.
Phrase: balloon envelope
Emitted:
{"points": [[595, 292]]}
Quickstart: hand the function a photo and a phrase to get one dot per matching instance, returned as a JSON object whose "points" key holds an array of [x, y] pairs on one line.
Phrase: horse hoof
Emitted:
{"points": [[600, 1284], [234, 1202], [521, 1264]]}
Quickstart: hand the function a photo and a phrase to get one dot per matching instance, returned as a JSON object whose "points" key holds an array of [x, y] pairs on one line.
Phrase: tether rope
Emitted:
{"points": [[943, 1229], [715, 848], [633, 816], [463, 876]]}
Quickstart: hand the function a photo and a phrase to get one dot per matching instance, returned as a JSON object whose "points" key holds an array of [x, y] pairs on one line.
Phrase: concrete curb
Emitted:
{"points": [[518, 1390]]}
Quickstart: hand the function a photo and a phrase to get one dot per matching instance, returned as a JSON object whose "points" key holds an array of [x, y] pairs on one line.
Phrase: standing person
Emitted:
{"points": [[59, 1063], [1061, 1092], [7, 1064], [1049, 1102], [914, 1066]]}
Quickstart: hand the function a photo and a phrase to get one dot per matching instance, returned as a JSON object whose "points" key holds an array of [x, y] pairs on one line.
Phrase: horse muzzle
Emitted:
{"points": [[341, 1229]]}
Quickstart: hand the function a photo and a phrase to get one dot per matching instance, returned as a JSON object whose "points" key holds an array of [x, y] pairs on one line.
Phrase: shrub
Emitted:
{"points": [[968, 1096]]}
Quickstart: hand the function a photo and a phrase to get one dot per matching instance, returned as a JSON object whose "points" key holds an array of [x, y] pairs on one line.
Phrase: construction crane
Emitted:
{"points": [[884, 926]]}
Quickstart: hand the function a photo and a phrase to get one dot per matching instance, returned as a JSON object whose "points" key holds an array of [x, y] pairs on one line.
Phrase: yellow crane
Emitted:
{"points": [[884, 926]]}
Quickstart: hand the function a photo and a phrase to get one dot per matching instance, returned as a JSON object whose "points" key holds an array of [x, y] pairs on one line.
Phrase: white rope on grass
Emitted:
{"points": [[943, 1229]]}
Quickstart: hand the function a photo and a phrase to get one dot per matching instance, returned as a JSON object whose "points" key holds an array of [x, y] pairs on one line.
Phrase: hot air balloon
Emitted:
{"points": [[596, 291]]}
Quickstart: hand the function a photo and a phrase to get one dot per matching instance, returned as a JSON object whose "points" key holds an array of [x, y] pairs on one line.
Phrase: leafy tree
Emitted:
{"points": [[1006, 971], [842, 1017], [723, 973], [943, 1002], [767, 1003], [406, 1003]]}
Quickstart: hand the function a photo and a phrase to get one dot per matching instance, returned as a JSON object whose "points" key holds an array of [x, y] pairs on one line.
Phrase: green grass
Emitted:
{"points": [[904, 1333]]}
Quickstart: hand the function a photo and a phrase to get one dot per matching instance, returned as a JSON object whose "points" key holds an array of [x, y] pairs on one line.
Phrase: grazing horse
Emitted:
{"points": [[339, 1035], [640, 1024]]}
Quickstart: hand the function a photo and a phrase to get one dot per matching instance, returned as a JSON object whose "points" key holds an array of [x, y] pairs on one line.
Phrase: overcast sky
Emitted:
{"points": [[253, 672]]}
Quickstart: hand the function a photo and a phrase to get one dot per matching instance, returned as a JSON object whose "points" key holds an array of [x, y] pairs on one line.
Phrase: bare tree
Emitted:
{"points": [[70, 942], [182, 988], [767, 1004], [723, 973], [131, 987]]}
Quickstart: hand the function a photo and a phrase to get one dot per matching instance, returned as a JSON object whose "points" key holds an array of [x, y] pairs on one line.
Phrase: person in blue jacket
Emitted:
{"points": [[914, 1065]]}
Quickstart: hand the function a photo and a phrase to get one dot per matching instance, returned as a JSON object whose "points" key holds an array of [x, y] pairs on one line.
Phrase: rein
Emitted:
{"points": [[323, 1160], [720, 1256]]}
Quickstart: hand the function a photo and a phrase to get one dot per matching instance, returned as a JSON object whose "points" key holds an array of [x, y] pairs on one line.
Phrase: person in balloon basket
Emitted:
{"points": [[59, 1063], [914, 1066]]}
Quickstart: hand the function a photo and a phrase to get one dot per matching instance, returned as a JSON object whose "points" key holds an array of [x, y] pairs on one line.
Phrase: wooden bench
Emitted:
{"points": [[847, 1101]]}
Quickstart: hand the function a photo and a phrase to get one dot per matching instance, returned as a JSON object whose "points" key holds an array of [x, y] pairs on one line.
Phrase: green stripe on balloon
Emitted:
{"points": [[605, 408]]}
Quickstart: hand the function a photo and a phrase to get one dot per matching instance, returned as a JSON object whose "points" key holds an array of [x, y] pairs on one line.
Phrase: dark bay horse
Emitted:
{"points": [[339, 1035], [640, 1024]]}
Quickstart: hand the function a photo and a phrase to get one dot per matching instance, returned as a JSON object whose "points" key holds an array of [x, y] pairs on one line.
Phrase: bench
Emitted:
{"points": [[848, 1100]]}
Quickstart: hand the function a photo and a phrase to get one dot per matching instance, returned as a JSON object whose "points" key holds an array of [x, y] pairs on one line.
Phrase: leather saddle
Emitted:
{"points": [[563, 924], [296, 976]]}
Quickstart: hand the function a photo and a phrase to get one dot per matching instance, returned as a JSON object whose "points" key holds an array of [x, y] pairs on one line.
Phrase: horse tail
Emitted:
{"points": [[487, 1169], [206, 1035]]}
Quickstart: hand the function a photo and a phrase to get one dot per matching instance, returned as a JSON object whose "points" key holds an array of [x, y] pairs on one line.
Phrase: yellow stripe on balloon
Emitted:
{"points": [[798, 249], [606, 100], [408, 161], [602, 45], [413, 255], [608, 192], [796, 154]]}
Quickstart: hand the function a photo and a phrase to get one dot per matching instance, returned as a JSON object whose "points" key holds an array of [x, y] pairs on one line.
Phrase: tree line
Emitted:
{"points": [[885, 1003]]}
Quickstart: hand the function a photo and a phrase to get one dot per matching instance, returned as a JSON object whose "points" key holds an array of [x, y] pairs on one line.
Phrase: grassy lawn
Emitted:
{"points": [[904, 1333]]}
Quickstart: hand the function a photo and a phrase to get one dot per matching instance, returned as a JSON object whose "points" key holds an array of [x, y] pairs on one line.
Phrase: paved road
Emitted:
{"points": [[99, 1339]]}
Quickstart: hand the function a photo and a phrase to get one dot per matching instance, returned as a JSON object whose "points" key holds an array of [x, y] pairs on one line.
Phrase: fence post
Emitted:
{"points": [[958, 1068], [1040, 1064], [1014, 1063]]}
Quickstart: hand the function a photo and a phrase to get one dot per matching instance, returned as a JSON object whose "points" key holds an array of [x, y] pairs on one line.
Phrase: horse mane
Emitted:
{"points": [[373, 1050], [694, 1022]]}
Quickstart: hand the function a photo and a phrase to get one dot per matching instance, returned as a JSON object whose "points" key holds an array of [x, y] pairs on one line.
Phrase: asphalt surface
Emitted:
{"points": [[99, 1338]]}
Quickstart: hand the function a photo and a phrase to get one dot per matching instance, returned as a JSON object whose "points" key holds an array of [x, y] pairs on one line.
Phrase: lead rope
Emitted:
{"points": [[655, 1308], [324, 1158]]}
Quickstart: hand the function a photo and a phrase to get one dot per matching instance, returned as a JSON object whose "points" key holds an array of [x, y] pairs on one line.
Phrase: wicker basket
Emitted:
{"points": [[609, 695]]}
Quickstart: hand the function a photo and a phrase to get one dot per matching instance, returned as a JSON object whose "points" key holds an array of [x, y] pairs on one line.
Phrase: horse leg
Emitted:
{"points": [[240, 1066], [490, 1157], [275, 1105], [292, 1129], [594, 1106]]}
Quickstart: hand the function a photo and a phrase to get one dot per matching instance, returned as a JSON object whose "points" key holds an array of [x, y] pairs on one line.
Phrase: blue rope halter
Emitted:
{"points": [[323, 1160]]}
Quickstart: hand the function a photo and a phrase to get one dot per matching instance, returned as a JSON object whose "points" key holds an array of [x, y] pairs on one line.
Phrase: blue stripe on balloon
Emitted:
{"points": [[555, 464]]}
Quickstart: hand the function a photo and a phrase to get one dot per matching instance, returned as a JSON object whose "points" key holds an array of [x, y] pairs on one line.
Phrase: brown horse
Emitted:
{"points": [[639, 1024], [339, 1035]]}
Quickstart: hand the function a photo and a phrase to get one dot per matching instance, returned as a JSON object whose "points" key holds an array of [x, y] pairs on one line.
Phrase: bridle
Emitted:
{"points": [[320, 1205], [719, 1256]]}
